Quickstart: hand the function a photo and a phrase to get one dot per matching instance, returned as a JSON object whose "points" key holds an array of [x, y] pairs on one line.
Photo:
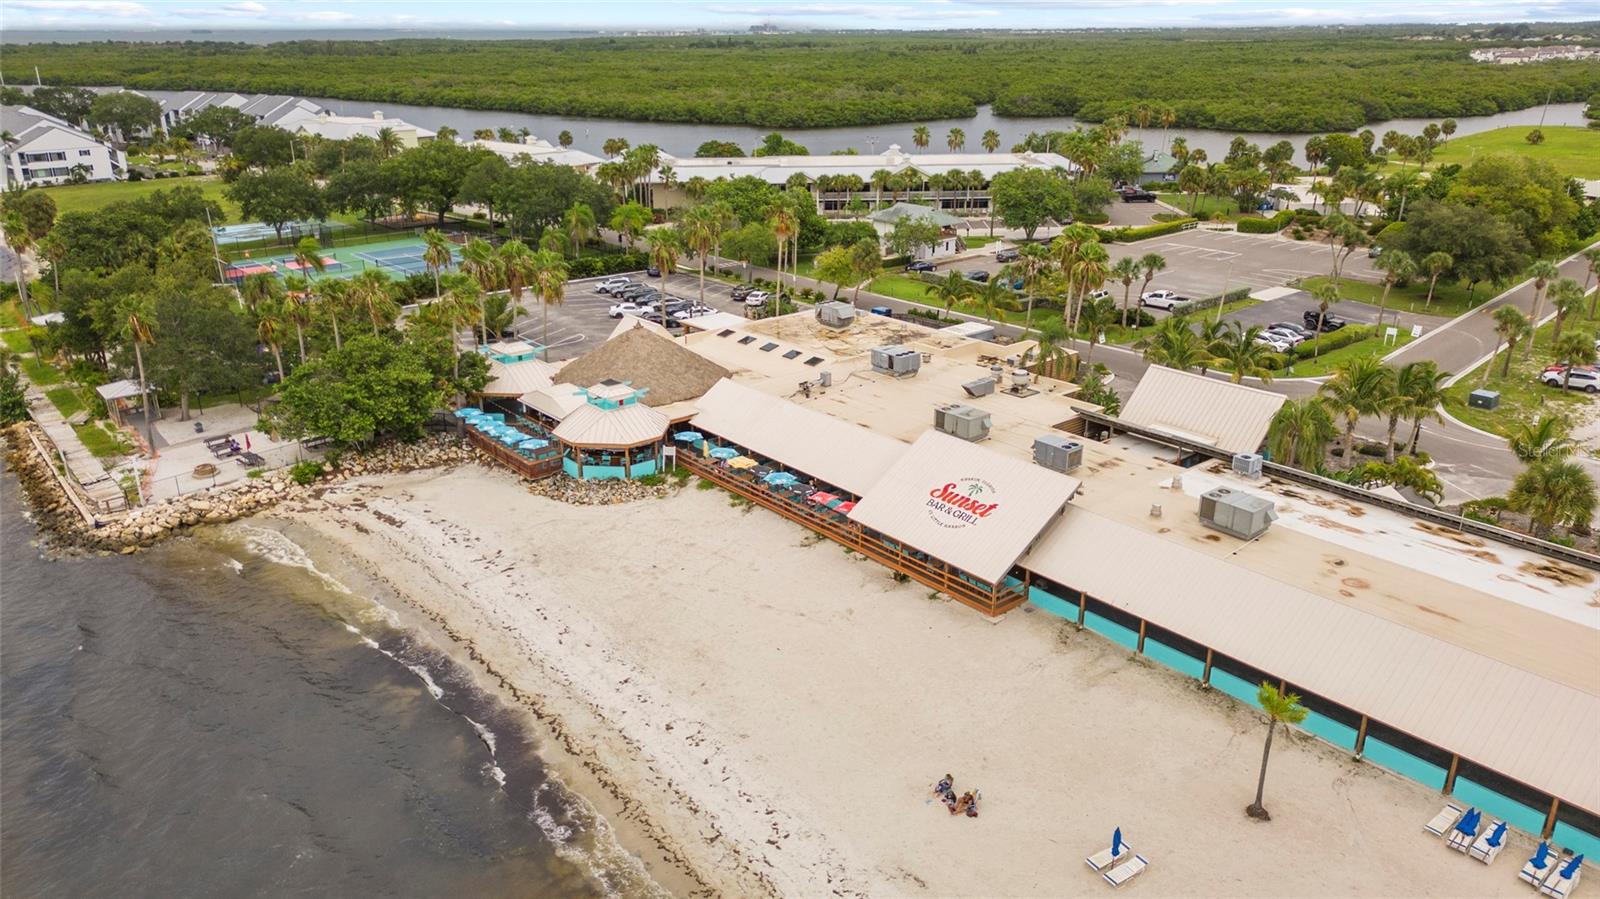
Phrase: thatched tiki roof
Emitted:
{"points": [[671, 373]]}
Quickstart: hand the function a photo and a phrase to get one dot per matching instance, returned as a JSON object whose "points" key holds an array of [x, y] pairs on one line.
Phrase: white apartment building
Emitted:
{"points": [[541, 151], [41, 149], [343, 127]]}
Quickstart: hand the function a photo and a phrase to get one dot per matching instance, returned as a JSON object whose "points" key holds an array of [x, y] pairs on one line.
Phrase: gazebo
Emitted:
{"points": [[612, 435]]}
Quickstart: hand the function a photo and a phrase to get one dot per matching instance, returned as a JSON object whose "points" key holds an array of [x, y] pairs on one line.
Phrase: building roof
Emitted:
{"points": [[540, 151], [591, 426], [778, 169], [517, 378], [26, 124], [648, 361], [630, 322], [1530, 727], [555, 401], [891, 214], [343, 127], [716, 321], [1160, 162], [1195, 408], [810, 443], [968, 506], [118, 390]]}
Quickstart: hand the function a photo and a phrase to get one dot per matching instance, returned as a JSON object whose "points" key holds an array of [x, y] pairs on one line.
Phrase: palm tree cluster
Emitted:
{"points": [[1552, 490], [1302, 429]]}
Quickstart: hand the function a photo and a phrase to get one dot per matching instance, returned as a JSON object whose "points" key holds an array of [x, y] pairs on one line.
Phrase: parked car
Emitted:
{"points": [[742, 291], [611, 284], [757, 298], [884, 311], [631, 291], [1137, 195], [1374, 251], [618, 310], [1009, 254], [979, 276], [1162, 299], [1329, 323], [1277, 343], [653, 272], [1585, 378], [1099, 294], [1293, 337], [1292, 328], [921, 265], [668, 322]]}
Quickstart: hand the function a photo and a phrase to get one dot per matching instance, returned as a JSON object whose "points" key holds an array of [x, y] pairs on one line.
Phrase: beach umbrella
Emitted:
{"points": [[1571, 870], [466, 413], [688, 436], [846, 507], [835, 503], [724, 452], [1116, 842], [742, 462], [534, 443], [780, 479], [819, 497], [1498, 834]]}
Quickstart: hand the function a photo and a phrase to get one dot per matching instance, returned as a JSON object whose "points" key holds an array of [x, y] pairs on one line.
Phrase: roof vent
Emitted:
{"points": [[1057, 453], [980, 387], [898, 361], [1239, 514], [1247, 464], [966, 422]]}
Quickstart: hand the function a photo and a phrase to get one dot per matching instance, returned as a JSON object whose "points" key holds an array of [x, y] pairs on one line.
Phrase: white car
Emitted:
{"points": [[1099, 294], [757, 298], [618, 310], [1162, 299], [611, 284], [1277, 343], [1291, 337], [1583, 378]]}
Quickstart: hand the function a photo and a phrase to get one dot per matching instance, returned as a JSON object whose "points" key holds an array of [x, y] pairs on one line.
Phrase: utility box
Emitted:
{"points": [[1247, 464], [966, 422], [896, 360], [980, 387], [1057, 453], [836, 314], [1236, 513], [1484, 399]]}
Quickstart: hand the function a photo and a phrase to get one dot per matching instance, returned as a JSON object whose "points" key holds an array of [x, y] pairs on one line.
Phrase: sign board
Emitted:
{"points": [[1391, 335], [1416, 331]]}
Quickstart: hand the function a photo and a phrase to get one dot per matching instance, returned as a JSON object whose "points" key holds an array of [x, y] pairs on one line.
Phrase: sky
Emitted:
{"points": [[738, 15]]}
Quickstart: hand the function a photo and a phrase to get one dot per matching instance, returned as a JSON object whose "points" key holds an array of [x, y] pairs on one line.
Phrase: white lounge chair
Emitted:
{"points": [[1558, 886], [1481, 850], [1536, 876], [1459, 841], [1104, 859], [1446, 819], [1126, 871]]}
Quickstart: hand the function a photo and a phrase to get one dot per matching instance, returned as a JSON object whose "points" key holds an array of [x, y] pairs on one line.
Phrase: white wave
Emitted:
{"points": [[236, 565], [275, 547], [495, 772], [484, 734], [617, 871], [434, 689]]}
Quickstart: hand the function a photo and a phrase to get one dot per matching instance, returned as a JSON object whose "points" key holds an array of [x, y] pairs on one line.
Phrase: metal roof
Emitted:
{"points": [[555, 400], [1196, 408], [969, 506], [808, 442], [517, 378], [630, 425], [1526, 726], [891, 214], [118, 390]]}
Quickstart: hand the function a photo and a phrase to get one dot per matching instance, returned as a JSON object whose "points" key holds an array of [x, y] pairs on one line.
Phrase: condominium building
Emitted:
{"points": [[41, 149]]}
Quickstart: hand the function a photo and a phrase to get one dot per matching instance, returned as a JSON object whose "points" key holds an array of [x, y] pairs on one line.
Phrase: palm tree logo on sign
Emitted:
{"points": [[962, 503]]}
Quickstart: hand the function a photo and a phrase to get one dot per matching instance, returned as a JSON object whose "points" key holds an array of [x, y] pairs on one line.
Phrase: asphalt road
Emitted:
{"points": [[582, 321]]}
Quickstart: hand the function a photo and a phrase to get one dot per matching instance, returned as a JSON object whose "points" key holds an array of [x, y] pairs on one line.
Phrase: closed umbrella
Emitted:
{"points": [[820, 498], [1116, 843], [534, 443], [1469, 822], [845, 507], [1571, 870], [1540, 855], [1498, 834]]}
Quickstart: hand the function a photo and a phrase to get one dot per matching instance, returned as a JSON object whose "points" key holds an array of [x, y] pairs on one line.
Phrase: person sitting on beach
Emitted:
{"points": [[944, 786], [950, 800], [972, 806], [962, 804]]}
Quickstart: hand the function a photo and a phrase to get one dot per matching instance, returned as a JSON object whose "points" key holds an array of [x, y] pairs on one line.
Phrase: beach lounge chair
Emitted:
{"points": [[1126, 871], [1490, 842], [1561, 883], [1446, 819], [1104, 859], [1536, 874], [1466, 830]]}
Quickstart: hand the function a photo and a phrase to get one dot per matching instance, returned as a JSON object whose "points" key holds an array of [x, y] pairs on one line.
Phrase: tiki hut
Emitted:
{"points": [[664, 371]]}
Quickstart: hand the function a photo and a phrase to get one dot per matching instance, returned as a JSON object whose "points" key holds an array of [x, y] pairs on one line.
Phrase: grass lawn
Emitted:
{"points": [[16, 340], [1573, 151], [1522, 398], [1327, 362], [1449, 299], [904, 287], [1207, 207], [90, 197], [102, 439], [68, 401], [40, 373], [974, 241]]}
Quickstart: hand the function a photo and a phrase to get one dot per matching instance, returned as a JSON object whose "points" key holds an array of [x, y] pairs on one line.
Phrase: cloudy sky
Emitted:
{"points": [[462, 15]]}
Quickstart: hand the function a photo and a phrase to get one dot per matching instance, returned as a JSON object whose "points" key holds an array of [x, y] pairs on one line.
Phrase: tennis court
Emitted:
{"points": [[397, 258], [254, 231]]}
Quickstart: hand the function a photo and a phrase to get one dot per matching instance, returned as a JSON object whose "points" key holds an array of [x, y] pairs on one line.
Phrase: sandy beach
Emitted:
{"points": [[772, 711]]}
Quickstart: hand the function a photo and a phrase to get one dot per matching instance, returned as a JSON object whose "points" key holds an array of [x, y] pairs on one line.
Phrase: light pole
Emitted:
{"points": [[1222, 301]]}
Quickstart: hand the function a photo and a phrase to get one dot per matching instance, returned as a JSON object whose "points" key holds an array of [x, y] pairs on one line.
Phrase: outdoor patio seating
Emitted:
{"points": [[1538, 868], [1465, 831], [1443, 821], [1490, 843], [1118, 851], [1126, 871]]}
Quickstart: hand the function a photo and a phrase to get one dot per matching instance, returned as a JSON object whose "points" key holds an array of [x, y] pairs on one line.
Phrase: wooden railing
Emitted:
{"points": [[547, 463]]}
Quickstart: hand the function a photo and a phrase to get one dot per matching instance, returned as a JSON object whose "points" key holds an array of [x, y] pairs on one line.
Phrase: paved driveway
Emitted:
{"points": [[582, 322]]}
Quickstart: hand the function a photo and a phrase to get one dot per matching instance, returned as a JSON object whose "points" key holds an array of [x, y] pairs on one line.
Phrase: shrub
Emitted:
{"points": [[1335, 339], [1211, 302], [596, 266], [254, 473], [1094, 218], [1144, 232], [135, 175], [652, 480], [303, 473], [1266, 226], [1166, 187]]}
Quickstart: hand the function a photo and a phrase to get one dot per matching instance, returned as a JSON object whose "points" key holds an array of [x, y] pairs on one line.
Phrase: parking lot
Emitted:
{"points": [[582, 322]]}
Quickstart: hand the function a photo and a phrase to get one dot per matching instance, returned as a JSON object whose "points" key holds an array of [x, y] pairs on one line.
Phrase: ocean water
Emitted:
{"points": [[216, 717]]}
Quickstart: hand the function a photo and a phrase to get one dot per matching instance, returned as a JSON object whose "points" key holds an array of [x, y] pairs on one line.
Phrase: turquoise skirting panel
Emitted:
{"points": [[1172, 658], [1237, 687], [1053, 604], [1112, 631], [1568, 837], [1404, 763], [1494, 805], [1334, 732]]}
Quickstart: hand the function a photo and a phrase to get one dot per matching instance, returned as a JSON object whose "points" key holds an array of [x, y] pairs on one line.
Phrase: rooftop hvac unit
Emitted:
{"points": [[980, 387], [837, 314], [966, 422], [1057, 453], [1239, 514], [898, 361], [1020, 379], [1247, 464]]}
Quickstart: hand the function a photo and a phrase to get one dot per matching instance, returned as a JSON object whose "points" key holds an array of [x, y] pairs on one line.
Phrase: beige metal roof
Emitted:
{"points": [[1529, 727], [971, 507], [1194, 407], [810, 443], [555, 400], [517, 378], [630, 425]]}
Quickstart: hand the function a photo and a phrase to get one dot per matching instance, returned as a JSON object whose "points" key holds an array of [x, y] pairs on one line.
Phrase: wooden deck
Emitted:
{"points": [[547, 463]]}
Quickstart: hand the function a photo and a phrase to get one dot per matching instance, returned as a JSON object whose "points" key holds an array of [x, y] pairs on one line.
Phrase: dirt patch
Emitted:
{"points": [[1439, 530], [1355, 583], [1558, 571], [1329, 523], [1432, 611]]}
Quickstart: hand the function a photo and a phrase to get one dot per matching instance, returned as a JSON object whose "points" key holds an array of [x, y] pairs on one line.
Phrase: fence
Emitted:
{"points": [[228, 471]]}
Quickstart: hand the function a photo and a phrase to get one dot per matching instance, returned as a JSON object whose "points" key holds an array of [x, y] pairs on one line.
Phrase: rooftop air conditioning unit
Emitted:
{"points": [[1236, 513], [1057, 453], [898, 361], [966, 422], [836, 315], [1247, 464], [1020, 379], [980, 387]]}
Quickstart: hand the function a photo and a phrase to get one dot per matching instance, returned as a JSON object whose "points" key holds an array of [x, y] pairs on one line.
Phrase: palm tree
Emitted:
{"points": [[1326, 294], [1435, 264], [20, 242], [1051, 337], [137, 316], [257, 289], [1245, 355], [1557, 492], [1510, 326], [1089, 272], [54, 250], [956, 140], [629, 221], [1127, 271], [480, 261], [269, 329], [388, 143], [991, 140], [1279, 706], [1574, 349], [1549, 440], [1094, 317], [919, 136], [994, 297], [1359, 387], [308, 257], [1591, 256], [297, 310], [1168, 118], [579, 226], [1566, 297], [335, 295], [1150, 265], [785, 227], [1542, 271], [1398, 267], [371, 292], [549, 281], [1300, 432], [1174, 344], [1033, 262], [700, 233], [952, 289], [517, 266], [436, 254]]}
